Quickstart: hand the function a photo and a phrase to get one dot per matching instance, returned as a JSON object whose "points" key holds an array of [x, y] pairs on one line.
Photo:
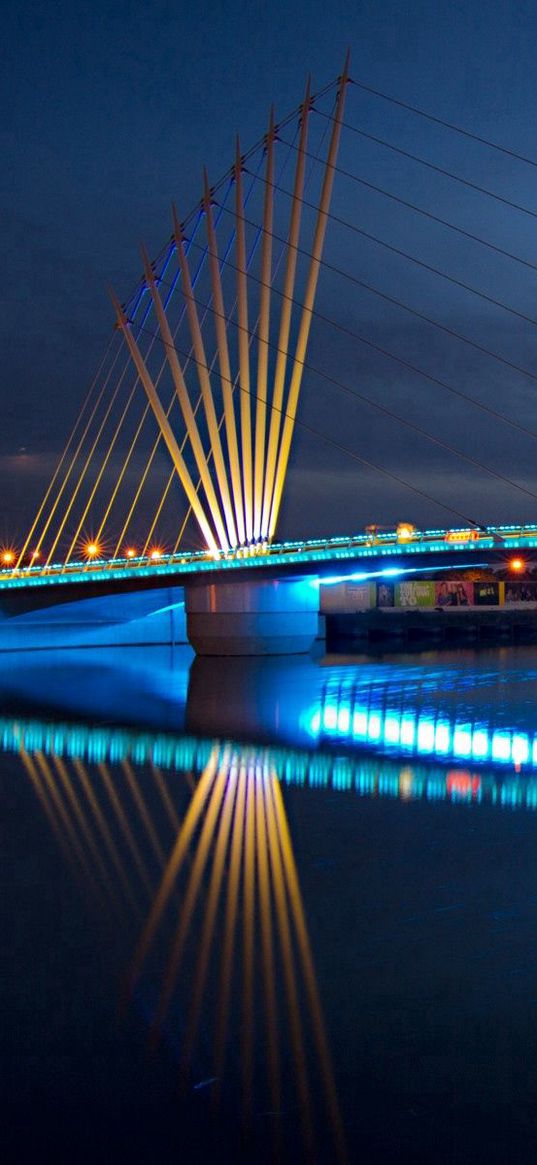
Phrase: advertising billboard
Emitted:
{"points": [[415, 594], [486, 594], [520, 592], [453, 593], [385, 595], [346, 598]]}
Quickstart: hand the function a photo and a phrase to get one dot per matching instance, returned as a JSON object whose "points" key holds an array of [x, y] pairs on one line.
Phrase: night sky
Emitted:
{"points": [[109, 113]]}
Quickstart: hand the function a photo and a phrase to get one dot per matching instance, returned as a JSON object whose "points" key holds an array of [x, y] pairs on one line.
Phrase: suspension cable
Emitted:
{"points": [[445, 124], [370, 464], [414, 311], [421, 262], [413, 367], [432, 166], [409, 424], [70, 440]]}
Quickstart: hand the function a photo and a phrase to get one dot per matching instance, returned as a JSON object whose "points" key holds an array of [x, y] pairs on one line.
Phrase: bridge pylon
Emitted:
{"points": [[199, 388], [243, 467]]}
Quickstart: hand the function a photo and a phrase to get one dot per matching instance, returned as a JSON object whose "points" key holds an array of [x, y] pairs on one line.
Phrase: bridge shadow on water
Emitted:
{"points": [[277, 910]]}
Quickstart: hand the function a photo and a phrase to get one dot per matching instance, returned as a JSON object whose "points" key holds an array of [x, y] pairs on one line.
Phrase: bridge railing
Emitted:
{"points": [[361, 545]]}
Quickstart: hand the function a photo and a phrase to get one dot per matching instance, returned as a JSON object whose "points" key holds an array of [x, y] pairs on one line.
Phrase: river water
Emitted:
{"points": [[274, 911]]}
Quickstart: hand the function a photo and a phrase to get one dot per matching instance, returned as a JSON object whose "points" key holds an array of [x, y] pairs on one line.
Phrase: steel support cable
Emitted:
{"points": [[432, 166], [286, 311], [421, 315], [222, 261], [209, 454], [444, 222], [420, 371], [109, 450], [145, 411], [261, 395], [143, 418], [433, 217], [421, 262], [119, 384], [135, 385], [249, 153], [132, 448], [70, 439], [74, 459], [304, 326], [417, 429], [370, 464], [445, 124], [172, 474], [85, 468], [182, 446], [173, 399], [81, 442], [251, 335]]}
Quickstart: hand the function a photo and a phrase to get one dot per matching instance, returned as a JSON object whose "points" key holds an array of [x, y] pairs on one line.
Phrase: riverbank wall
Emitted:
{"points": [[399, 628]]}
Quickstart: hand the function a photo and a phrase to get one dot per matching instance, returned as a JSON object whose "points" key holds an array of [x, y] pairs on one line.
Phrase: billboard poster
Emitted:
{"points": [[486, 594], [385, 595], [346, 598], [360, 596], [453, 593], [520, 592], [415, 594]]}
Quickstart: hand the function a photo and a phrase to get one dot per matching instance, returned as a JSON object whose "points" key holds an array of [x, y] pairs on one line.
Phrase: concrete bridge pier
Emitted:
{"points": [[259, 617]]}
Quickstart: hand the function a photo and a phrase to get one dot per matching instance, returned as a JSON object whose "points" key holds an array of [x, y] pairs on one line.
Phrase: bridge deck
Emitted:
{"points": [[308, 555]]}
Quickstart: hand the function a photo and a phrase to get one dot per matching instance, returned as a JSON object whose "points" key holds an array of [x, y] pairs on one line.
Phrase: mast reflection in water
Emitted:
{"points": [[177, 833], [225, 931]]}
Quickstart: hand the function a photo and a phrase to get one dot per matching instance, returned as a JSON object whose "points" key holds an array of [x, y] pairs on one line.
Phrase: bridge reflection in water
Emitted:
{"points": [[184, 835]]}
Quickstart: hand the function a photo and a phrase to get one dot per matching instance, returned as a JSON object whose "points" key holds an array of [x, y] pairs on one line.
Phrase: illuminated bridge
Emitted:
{"points": [[192, 416]]}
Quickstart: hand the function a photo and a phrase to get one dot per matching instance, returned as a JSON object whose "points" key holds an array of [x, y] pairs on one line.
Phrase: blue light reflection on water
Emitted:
{"points": [[468, 715], [358, 773], [400, 731], [463, 708], [421, 734]]}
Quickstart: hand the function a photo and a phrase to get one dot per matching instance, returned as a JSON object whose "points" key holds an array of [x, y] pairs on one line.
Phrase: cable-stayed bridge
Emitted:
{"points": [[175, 469]]}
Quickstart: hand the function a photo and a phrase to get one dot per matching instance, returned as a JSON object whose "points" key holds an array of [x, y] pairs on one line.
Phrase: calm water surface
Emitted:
{"points": [[278, 911]]}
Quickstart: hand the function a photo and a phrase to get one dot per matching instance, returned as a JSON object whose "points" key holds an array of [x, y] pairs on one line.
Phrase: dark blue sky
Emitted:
{"points": [[109, 113]]}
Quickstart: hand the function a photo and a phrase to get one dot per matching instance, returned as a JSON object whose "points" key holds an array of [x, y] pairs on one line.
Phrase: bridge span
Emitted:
{"points": [[187, 431], [265, 602]]}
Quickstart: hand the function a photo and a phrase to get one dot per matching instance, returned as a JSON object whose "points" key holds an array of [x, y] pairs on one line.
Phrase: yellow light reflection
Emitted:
{"points": [[239, 928]]}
